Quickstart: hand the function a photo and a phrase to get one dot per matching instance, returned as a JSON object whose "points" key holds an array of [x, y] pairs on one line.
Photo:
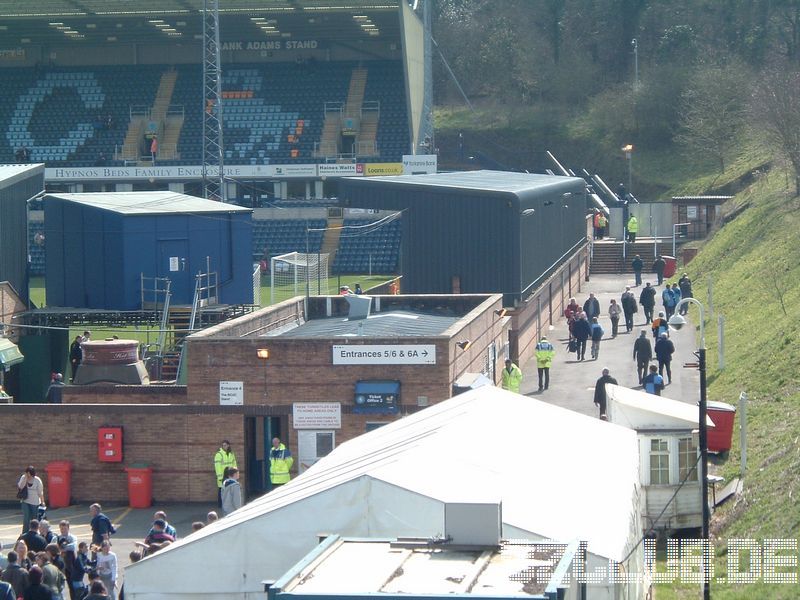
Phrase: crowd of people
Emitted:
{"points": [[584, 326], [48, 565]]}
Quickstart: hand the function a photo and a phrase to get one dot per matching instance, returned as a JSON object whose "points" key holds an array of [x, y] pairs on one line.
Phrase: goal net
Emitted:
{"points": [[290, 273]]}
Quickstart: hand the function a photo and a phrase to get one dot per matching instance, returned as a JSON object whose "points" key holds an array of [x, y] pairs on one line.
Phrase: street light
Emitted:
{"points": [[263, 354], [676, 321], [635, 46], [628, 150]]}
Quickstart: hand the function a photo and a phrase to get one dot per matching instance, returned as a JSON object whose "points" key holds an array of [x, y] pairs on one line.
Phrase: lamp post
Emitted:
{"points": [[676, 321], [628, 150], [635, 47], [263, 354]]}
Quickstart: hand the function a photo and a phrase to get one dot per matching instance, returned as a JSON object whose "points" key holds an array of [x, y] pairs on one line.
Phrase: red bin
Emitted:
{"points": [[140, 487], [59, 483], [670, 266], [720, 436]]}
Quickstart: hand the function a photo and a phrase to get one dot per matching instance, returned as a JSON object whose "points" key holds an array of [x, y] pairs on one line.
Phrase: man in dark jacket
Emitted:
{"points": [[658, 268], [685, 284], [591, 307], [600, 391], [642, 354], [629, 307], [581, 330], [648, 301], [32, 538], [637, 265], [664, 350], [15, 575]]}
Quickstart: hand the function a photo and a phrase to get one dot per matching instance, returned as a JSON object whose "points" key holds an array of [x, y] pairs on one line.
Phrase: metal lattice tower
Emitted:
{"points": [[213, 149]]}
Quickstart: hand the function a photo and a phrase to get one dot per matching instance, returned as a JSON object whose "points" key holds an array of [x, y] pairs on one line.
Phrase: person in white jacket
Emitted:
{"points": [[107, 568], [231, 491]]}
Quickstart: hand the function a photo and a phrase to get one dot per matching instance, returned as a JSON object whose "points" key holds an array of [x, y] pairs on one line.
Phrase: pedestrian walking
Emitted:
{"points": [[653, 382], [658, 268], [571, 313], [581, 331], [629, 307], [685, 285], [602, 224], [544, 359], [591, 307], [637, 265], [600, 391], [664, 350], [660, 326], [668, 300], [642, 354], [511, 377], [648, 301], [597, 336], [676, 297], [614, 311]]}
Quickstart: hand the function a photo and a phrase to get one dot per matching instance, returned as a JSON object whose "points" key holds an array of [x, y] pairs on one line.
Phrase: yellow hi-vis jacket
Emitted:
{"points": [[544, 354], [280, 461], [633, 225], [512, 379], [223, 459]]}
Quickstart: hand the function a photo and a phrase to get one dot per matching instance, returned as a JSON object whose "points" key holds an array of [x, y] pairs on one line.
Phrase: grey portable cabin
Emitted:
{"points": [[478, 231]]}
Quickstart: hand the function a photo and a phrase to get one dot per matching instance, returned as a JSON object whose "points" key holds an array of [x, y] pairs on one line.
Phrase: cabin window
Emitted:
{"points": [[659, 462], [687, 459]]}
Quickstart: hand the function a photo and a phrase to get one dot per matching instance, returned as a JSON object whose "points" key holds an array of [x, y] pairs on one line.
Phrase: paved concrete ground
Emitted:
{"points": [[132, 524], [572, 382]]}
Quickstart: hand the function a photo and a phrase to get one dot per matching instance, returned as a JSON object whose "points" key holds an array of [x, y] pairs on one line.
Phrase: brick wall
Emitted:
{"points": [[179, 442], [124, 394]]}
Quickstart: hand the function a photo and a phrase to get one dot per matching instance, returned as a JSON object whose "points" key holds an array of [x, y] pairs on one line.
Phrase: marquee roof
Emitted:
{"points": [[559, 475]]}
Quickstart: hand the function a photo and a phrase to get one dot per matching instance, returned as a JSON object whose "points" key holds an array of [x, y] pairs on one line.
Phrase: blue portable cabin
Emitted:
{"points": [[98, 245]]}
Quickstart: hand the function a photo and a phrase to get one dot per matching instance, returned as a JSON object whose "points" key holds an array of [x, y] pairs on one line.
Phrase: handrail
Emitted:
{"points": [[333, 107]]}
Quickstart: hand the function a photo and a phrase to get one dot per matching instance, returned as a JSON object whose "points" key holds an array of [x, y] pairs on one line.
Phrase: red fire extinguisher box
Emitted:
{"points": [[109, 444]]}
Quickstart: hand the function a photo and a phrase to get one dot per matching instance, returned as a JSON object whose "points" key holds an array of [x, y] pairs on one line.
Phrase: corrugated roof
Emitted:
{"points": [[488, 181], [149, 203], [10, 174], [397, 323]]}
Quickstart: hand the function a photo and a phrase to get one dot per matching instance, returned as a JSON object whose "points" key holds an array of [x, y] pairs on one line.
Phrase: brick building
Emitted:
{"points": [[305, 392]]}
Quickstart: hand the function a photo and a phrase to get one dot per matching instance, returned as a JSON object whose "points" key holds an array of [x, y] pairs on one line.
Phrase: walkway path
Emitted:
{"points": [[572, 382]]}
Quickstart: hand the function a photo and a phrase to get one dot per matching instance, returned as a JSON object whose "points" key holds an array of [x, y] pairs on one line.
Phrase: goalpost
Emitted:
{"points": [[290, 273]]}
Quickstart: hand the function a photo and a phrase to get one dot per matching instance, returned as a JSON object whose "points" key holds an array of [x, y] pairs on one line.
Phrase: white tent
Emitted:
{"points": [[560, 475]]}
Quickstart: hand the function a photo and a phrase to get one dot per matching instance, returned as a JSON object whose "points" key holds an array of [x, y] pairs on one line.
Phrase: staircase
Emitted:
{"points": [[168, 131], [330, 241], [133, 137], [607, 256], [355, 94], [368, 136], [328, 143]]}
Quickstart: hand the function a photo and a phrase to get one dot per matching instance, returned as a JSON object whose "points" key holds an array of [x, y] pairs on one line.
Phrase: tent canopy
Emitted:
{"points": [[559, 475]]}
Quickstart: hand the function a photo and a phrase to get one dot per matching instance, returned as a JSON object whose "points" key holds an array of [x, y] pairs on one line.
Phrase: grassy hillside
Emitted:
{"points": [[754, 264]]}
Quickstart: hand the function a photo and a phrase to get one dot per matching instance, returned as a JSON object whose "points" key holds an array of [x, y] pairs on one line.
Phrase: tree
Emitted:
{"points": [[714, 110], [775, 106]]}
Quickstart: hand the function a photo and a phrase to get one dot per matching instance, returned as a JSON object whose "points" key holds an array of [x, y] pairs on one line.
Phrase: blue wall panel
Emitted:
{"points": [[95, 257]]}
